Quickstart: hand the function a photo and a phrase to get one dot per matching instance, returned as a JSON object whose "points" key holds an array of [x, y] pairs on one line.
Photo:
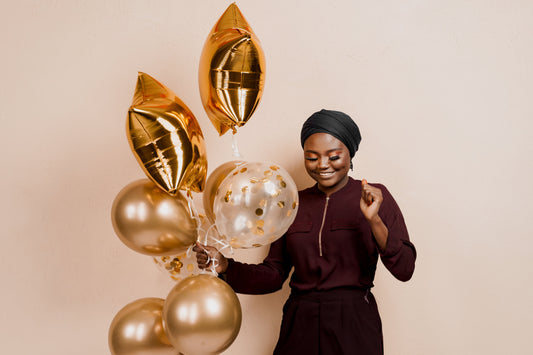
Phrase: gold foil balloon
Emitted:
{"points": [[255, 204], [152, 222], [232, 72], [202, 315], [213, 182], [137, 329], [165, 138]]}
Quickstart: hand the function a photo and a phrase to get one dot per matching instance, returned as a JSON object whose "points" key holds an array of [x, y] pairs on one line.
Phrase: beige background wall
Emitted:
{"points": [[441, 90]]}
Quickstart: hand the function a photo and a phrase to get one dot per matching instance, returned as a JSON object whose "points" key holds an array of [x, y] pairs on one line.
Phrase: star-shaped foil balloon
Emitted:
{"points": [[166, 138], [232, 72]]}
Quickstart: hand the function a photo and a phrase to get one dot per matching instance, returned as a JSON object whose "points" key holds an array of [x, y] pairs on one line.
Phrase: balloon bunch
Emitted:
{"points": [[247, 204]]}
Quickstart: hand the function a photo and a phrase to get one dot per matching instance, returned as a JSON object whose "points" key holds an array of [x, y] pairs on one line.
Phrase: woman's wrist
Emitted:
{"points": [[379, 231], [222, 264], [375, 220]]}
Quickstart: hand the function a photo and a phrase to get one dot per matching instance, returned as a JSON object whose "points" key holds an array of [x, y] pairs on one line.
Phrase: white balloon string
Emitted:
{"points": [[194, 213], [208, 238], [210, 260], [213, 265], [220, 244], [234, 147]]}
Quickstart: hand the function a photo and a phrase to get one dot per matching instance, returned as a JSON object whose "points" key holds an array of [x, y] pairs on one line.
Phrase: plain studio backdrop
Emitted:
{"points": [[440, 89]]}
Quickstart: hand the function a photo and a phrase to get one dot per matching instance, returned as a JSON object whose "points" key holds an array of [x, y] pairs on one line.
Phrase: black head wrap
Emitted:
{"points": [[336, 123]]}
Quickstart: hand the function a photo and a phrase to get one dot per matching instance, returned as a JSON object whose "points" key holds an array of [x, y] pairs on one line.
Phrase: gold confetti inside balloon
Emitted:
{"points": [[202, 315], [178, 266], [152, 222], [255, 204], [137, 329], [165, 138], [213, 182], [232, 72]]}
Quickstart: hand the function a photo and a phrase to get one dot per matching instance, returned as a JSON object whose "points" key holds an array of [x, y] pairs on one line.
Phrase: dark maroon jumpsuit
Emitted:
{"points": [[334, 255]]}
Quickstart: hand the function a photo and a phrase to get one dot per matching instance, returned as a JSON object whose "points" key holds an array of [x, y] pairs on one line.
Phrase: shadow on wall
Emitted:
{"points": [[294, 165]]}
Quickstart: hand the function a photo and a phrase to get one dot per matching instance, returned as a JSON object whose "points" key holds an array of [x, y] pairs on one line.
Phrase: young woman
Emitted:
{"points": [[341, 229]]}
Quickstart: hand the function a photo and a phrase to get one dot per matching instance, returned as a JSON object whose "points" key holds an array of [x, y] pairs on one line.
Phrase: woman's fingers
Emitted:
{"points": [[369, 193], [202, 255], [366, 192], [208, 256]]}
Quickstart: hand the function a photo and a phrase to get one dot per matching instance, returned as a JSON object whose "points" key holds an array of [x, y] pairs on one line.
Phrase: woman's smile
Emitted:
{"points": [[327, 161]]}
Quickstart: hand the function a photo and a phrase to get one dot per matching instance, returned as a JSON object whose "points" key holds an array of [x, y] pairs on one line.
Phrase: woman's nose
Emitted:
{"points": [[323, 162]]}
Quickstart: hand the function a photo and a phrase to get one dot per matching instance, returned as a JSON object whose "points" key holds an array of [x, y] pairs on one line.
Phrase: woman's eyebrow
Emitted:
{"points": [[327, 151]]}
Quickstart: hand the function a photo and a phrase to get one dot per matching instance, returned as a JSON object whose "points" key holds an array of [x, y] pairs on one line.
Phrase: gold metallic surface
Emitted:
{"points": [[137, 329], [152, 222], [165, 138], [213, 182], [231, 75], [202, 315], [250, 207]]}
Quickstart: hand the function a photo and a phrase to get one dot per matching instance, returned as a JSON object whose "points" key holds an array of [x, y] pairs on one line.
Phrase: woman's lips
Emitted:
{"points": [[325, 173]]}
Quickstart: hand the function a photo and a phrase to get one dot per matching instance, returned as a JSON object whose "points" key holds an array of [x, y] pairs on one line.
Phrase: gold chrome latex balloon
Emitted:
{"points": [[152, 222], [255, 204], [213, 182], [232, 71], [137, 329], [202, 315], [165, 138]]}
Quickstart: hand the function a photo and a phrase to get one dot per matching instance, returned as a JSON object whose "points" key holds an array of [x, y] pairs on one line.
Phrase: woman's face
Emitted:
{"points": [[327, 161]]}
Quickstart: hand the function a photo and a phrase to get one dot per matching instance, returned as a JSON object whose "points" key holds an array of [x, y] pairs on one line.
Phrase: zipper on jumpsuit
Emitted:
{"points": [[322, 226]]}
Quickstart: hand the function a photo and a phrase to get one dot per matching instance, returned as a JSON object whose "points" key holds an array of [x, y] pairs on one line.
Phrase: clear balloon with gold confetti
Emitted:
{"points": [[178, 267], [255, 204]]}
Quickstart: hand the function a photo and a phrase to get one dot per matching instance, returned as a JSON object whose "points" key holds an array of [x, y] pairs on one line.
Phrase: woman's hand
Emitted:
{"points": [[206, 256], [371, 199]]}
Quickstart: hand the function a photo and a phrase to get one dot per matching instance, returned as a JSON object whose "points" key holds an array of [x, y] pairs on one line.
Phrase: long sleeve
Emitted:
{"points": [[400, 254], [266, 277], [329, 245]]}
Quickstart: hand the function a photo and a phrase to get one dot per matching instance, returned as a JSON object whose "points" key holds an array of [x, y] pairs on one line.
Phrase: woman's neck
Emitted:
{"points": [[328, 190]]}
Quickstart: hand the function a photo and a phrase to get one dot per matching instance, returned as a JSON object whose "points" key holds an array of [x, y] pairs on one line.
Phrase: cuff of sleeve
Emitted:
{"points": [[224, 275], [392, 248]]}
